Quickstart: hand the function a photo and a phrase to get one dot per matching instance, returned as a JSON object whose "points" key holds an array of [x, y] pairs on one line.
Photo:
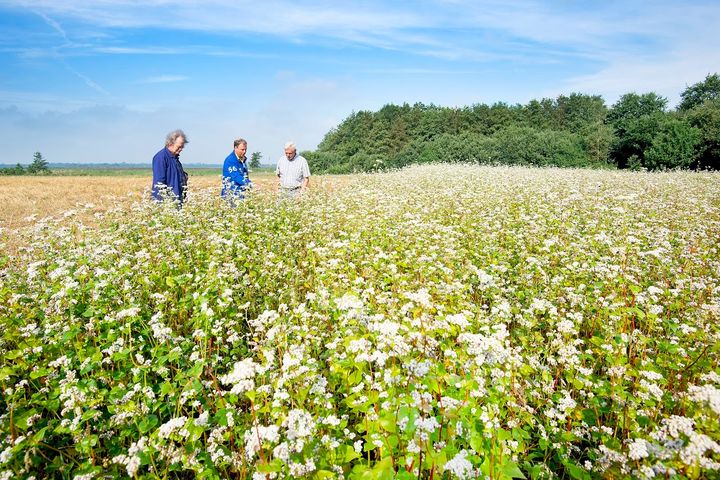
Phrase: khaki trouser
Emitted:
{"points": [[290, 192]]}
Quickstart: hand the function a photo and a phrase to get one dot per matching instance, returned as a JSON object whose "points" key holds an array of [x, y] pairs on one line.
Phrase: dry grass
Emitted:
{"points": [[24, 199]]}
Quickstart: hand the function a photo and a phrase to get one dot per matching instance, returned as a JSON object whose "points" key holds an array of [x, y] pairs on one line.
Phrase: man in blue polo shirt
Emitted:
{"points": [[168, 173], [235, 171]]}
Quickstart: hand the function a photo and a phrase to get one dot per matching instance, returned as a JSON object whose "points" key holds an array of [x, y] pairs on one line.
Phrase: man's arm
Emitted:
{"points": [[159, 174], [234, 172], [306, 174]]}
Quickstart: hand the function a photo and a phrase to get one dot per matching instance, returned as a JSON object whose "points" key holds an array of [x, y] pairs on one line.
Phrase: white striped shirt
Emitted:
{"points": [[292, 172]]}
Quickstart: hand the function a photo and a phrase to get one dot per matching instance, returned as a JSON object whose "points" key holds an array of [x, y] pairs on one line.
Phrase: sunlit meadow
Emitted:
{"points": [[436, 322]]}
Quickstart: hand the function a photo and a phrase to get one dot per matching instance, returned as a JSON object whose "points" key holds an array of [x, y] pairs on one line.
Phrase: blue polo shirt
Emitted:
{"points": [[235, 176], [167, 170]]}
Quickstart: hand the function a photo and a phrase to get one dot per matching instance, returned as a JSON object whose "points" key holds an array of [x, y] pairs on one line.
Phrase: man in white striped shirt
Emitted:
{"points": [[293, 171]]}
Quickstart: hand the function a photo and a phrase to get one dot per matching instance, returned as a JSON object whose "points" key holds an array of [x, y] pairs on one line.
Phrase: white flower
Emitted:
{"points": [[87, 476], [202, 420], [459, 466], [565, 326], [169, 427], [282, 452], [132, 459], [458, 319], [300, 469], [299, 424], [256, 435], [708, 394], [637, 449], [421, 297], [5, 455], [241, 378], [127, 313], [60, 362], [349, 302], [425, 427]]}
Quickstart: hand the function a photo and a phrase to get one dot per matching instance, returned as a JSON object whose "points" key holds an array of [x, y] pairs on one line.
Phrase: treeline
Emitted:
{"points": [[578, 130], [39, 166]]}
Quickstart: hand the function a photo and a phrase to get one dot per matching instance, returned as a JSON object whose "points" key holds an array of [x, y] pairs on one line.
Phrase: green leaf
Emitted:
{"points": [[148, 423], [21, 420], [39, 435], [433, 385], [196, 369], [575, 471], [13, 354], [477, 443], [88, 414], [511, 469], [589, 417], [387, 422], [86, 444], [384, 469], [40, 372], [5, 373], [349, 455]]}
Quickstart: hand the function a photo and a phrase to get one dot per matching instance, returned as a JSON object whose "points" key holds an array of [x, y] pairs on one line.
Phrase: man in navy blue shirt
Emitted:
{"points": [[167, 169], [235, 171]]}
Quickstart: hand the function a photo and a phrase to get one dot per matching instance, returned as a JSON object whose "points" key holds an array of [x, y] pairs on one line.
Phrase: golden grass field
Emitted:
{"points": [[25, 199]]}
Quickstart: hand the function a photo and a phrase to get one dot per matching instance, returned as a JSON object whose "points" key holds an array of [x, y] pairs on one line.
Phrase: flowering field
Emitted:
{"points": [[436, 322]]}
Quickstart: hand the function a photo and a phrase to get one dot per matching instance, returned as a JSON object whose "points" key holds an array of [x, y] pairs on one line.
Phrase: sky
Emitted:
{"points": [[104, 81]]}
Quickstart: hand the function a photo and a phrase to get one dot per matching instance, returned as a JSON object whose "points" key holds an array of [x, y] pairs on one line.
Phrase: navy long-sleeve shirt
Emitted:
{"points": [[235, 176], [167, 170]]}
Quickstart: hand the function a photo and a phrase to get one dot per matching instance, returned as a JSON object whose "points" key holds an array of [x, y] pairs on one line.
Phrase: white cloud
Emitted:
{"points": [[454, 30], [164, 79], [55, 25], [473, 51]]}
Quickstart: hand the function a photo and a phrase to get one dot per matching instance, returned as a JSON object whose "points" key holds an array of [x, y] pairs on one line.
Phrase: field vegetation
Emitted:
{"points": [[85, 194], [438, 321]]}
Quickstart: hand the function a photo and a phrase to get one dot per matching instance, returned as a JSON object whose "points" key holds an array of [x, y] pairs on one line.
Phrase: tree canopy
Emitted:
{"points": [[576, 130]]}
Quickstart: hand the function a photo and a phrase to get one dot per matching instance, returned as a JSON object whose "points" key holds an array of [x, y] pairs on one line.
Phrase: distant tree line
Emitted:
{"points": [[39, 166], [578, 130]]}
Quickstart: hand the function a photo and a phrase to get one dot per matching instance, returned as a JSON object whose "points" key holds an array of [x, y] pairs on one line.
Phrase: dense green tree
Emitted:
{"points": [[577, 111], [696, 94], [255, 159], [672, 145], [632, 106], [38, 165], [530, 146], [16, 170], [634, 138], [706, 118], [657, 141], [634, 119], [570, 130], [541, 113], [596, 139], [574, 112], [464, 147]]}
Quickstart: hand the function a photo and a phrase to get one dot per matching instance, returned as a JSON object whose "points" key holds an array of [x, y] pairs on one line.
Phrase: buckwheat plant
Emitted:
{"points": [[434, 322]]}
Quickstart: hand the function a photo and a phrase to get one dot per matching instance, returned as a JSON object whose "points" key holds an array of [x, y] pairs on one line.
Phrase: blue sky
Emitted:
{"points": [[105, 80]]}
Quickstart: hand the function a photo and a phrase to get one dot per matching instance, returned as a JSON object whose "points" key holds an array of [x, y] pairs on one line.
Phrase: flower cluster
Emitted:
{"points": [[436, 322]]}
